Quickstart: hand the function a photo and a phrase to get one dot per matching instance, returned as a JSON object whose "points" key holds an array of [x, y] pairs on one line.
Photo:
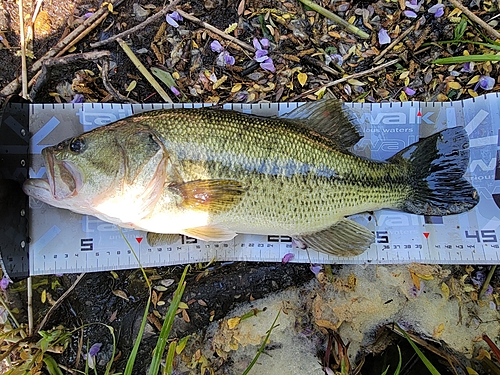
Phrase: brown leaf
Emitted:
{"points": [[185, 316], [121, 294]]}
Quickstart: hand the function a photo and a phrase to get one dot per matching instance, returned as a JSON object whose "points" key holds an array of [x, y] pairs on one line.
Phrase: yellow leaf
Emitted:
{"points": [[114, 274], [425, 277], [355, 82], [220, 81], [352, 19], [175, 75], [404, 74], [415, 279], [110, 7], [182, 344], [469, 288], [72, 49], [471, 371], [231, 28], [131, 86], [474, 79], [194, 44], [320, 92], [438, 331], [472, 93], [403, 97], [233, 322], [183, 305], [302, 78], [236, 87], [454, 85], [43, 297], [446, 290]]}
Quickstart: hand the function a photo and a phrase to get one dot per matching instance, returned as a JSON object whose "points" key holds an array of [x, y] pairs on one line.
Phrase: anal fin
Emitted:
{"points": [[159, 239], [209, 233], [345, 238]]}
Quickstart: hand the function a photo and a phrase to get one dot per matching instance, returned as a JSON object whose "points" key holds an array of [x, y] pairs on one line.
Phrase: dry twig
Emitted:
{"points": [[346, 78], [105, 80], [58, 302], [394, 42], [140, 26], [222, 34], [24, 72]]}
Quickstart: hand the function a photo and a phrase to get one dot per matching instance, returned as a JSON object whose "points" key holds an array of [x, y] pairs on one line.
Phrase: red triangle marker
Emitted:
{"points": [[138, 239], [419, 114], [426, 234]]}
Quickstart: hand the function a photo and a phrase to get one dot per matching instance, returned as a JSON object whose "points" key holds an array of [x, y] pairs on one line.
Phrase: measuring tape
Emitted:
{"points": [[65, 242]]}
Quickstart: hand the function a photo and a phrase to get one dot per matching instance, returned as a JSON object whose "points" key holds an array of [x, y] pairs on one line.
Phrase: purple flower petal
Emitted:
{"points": [[176, 16], [439, 13], [216, 46], [414, 5], [174, 90], [287, 258], [78, 98], [265, 43], [171, 21], [94, 349], [468, 67], [383, 37], [315, 268], [268, 65], [337, 59], [485, 82], [4, 283], [410, 14], [409, 91], [256, 44], [433, 9], [228, 59], [261, 55], [88, 15], [489, 290]]}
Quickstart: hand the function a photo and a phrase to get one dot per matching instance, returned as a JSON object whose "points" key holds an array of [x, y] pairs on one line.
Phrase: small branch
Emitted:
{"points": [[58, 302], [140, 26], [105, 80], [24, 71], [355, 75], [29, 287], [490, 30], [394, 42], [487, 282], [139, 65], [215, 30], [48, 64], [312, 61], [332, 16]]}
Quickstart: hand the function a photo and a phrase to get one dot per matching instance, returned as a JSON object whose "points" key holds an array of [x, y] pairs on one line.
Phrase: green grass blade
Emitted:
{"points": [[261, 349], [167, 325], [387, 369], [52, 366], [169, 362], [421, 355], [464, 59], [400, 363], [135, 349]]}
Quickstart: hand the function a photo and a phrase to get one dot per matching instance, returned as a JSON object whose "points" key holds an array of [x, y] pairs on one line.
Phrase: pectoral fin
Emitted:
{"points": [[159, 239], [210, 195], [209, 233], [345, 238]]}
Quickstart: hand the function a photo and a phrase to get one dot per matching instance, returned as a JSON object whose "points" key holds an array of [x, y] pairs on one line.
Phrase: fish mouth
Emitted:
{"points": [[63, 177]]}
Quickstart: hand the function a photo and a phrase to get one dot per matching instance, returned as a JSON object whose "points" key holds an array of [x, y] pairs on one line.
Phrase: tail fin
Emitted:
{"points": [[437, 166]]}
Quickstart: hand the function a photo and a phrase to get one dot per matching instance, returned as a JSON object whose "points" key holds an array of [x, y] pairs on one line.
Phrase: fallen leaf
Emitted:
{"points": [[183, 305], [446, 290], [185, 316], [121, 294], [302, 78], [233, 322], [438, 331], [43, 297]]}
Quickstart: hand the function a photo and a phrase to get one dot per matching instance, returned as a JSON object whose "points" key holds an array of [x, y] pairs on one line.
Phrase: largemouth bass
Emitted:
{"points": [[213, 173]]}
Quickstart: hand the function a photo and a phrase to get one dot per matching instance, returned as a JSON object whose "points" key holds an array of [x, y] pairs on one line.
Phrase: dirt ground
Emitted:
{"points": [[310, 57]]}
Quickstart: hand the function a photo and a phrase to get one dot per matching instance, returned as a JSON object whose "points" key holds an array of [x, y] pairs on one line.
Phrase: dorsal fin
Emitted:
{"points": [[331, 119]]}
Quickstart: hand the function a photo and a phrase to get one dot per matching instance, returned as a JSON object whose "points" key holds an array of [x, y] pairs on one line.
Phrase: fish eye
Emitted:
{"points": [[77, 145]]}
